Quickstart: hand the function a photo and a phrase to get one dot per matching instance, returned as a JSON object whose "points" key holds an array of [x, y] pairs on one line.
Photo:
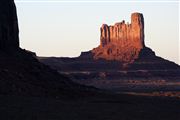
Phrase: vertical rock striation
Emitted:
{"points": [[9, 32], [121, 41]]}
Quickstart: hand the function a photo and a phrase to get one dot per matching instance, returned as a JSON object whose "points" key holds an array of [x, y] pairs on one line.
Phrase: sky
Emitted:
{"points": [[65, 29]]}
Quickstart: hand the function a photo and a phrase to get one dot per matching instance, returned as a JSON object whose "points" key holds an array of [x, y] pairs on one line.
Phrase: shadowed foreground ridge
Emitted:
{"points": [[20, 72]]}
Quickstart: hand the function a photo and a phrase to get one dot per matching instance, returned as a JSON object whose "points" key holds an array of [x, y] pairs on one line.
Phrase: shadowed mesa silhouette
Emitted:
{"points": [[20, 72]]}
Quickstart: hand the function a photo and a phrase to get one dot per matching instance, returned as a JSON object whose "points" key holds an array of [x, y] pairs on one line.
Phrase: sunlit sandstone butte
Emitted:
{"points": [[122, 41]]}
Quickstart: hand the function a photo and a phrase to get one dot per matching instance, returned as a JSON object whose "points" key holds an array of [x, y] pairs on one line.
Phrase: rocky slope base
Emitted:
{"points": [[22, 74]]}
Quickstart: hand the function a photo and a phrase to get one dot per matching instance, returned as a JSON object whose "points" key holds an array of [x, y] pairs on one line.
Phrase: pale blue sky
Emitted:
{"points": [[66, 29]]}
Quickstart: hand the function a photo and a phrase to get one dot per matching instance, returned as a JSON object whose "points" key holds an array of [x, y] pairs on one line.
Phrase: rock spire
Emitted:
{"points": [[9, 32]]}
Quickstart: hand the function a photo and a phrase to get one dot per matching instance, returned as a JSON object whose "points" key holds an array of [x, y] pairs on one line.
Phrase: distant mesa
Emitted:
{"points": [[122, 56], [122, 41]]}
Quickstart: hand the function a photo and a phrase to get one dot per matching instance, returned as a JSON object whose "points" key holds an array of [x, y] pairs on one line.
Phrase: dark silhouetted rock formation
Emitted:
{"points": [[121, 42], [9, 39], [20, 72]]}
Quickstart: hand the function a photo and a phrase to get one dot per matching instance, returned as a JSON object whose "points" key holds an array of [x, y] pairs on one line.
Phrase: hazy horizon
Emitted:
{"points": [[67, 29]]}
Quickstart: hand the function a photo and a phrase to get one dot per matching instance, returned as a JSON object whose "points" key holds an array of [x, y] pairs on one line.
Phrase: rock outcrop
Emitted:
{"points": [[21, 73], [122, 41], [9, 38]]}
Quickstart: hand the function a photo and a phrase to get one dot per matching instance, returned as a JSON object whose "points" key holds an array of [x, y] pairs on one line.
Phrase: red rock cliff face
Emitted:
{"points": [[121, 41]]}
